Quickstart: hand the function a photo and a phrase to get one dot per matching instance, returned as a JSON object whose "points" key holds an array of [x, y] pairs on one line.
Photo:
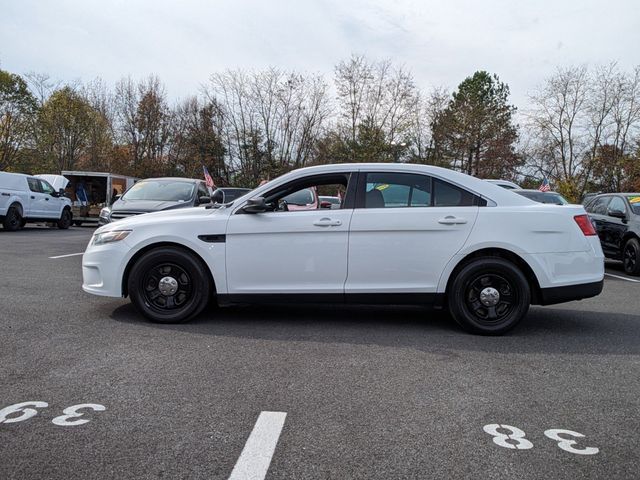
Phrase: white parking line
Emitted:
{"points": [[623, 278], [68, 255], [256, 456]]}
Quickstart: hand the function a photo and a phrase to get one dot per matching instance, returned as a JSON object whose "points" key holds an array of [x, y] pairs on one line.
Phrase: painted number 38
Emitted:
{"points": [[514, 438], [20, 412]]}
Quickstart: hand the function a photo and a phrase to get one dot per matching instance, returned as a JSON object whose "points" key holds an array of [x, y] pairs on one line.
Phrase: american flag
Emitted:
{"points": [[544, 186], [207, 178]]}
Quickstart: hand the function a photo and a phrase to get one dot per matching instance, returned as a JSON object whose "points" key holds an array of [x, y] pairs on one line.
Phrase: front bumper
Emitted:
{"points": [[103, 267]]}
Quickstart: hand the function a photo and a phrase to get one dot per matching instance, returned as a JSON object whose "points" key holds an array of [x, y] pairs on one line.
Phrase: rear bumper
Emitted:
{"points": [[553, 295]]}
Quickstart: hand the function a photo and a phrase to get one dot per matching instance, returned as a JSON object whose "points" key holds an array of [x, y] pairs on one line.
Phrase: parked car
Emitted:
{"points": [[228, 194], [27, 198], [155, 195], [553, 198], [455, 241], [616, 217], [504, 184]]}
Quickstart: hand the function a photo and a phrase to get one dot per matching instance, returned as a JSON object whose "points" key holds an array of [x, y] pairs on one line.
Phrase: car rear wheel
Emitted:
{"points": [[489, 296], [12, 220], [65, 219], [169, 285], [631, 257]]}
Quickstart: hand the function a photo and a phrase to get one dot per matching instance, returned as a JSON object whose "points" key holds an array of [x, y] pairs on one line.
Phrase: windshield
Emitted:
{"points": [[544, 197], [634, 201], [160, 190]]}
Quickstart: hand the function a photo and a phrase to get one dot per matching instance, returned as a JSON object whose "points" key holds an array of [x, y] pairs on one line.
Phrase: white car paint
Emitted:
{"points": [[376, 250], [33, 205]]}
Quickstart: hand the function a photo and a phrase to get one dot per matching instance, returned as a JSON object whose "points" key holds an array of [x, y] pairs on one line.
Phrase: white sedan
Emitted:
{"points": [[404, 234]]}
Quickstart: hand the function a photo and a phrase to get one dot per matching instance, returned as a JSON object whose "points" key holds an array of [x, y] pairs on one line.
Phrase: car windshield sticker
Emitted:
{"points": [[634, 200]]}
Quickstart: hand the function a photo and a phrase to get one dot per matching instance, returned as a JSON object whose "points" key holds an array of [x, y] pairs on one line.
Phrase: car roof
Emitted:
{"points": [[480, 187], [177, 179]]}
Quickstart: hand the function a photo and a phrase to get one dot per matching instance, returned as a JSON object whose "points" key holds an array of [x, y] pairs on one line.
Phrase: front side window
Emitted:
{"points": [[447, 195], [161, 190], [304, 194], [46, 187], [617, 204]]}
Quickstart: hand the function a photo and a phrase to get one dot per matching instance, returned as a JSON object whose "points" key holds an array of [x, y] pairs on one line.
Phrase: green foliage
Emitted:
{"points": [[475, 133]]}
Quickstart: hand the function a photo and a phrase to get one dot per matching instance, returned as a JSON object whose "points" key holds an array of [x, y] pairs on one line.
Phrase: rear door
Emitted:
{"points": [[404, 230], [614, 228], [597, 210]]}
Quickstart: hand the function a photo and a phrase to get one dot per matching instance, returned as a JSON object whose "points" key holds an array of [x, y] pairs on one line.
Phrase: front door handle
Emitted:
{"points": [[327, 222], [451, 220]]}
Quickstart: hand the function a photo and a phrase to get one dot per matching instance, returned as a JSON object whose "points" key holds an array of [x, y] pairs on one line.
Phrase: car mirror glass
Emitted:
{"points": [[255, 205]]}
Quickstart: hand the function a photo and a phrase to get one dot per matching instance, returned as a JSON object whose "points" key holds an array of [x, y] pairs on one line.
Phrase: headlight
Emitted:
{"points": [[109, 237], [104, 213]]}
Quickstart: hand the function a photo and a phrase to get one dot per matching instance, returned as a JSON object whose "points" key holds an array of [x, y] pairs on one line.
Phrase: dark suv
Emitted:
{"points": [[616, 217]]}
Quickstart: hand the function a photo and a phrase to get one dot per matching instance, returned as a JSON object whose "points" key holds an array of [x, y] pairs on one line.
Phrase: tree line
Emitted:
{"points": [[581, 128]]}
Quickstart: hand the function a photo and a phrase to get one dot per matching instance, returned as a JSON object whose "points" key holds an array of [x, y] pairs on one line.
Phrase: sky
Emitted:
{"points": [[441, 42]]}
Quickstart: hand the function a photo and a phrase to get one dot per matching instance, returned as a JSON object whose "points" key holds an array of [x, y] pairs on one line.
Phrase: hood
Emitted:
{"points": [[57, 181], [174, 216], [147, 205]]}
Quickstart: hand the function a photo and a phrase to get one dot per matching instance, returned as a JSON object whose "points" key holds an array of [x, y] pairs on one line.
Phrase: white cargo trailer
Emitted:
{"points": [[90, 192]]}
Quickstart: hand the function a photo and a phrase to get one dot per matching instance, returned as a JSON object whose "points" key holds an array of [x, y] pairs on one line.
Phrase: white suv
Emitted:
{"points": [[26, 198], [403, 234]]}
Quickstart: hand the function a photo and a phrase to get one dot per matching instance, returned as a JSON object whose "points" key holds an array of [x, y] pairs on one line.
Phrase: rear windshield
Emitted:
{"points": [[160, 190], [545, 197]]}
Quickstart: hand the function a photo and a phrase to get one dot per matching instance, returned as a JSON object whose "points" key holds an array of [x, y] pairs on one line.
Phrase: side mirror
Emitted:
{"points": [[617, 214], [255, 205], [203, 200], [61, 192], [217, 197], [325, 204], [115, 199]]}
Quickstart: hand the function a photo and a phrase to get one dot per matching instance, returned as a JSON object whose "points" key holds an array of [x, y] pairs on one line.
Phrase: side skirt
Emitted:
{"points": [[430, 299]]}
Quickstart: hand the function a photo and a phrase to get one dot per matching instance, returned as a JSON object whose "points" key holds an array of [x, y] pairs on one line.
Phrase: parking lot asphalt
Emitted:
{"points": [[369, 393]]}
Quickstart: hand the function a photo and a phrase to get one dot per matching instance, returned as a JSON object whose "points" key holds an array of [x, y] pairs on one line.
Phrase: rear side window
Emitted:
{"points": [[34, 184], [447, 195], [397, 190], [599, 206]]}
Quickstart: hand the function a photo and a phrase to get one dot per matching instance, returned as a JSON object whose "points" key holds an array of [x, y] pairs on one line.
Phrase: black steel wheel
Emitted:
{"points": [[13, 220], [65, 219], [631, 257], [169, 285], [489, 296]]}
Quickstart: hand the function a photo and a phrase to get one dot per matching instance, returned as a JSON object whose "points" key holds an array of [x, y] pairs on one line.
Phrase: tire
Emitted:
{"points": [[186, 288], [473, 294], [65, 219], [13, 220], [631, 257]]}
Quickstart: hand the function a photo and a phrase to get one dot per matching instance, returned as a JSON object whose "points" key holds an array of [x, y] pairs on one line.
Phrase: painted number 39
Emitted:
{"points": [[26, 410], [515, 438]]}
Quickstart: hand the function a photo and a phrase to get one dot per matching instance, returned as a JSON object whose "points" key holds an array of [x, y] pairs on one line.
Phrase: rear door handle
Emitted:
{"points": [[451, 220], [327, 222]]}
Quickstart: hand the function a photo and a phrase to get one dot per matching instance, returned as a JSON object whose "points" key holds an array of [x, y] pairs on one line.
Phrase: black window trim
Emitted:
{"points": [[352, 181], [478, 200]]}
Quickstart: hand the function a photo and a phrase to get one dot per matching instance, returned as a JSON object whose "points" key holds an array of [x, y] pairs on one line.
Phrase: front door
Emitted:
{"points": [[406, 229], [293, 248]]}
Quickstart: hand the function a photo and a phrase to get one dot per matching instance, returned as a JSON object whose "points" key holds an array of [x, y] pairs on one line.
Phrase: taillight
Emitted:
{"points": [[584, 222]]}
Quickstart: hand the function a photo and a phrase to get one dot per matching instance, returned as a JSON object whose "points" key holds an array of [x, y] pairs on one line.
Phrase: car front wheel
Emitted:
{"points": [[489, 296], [169, 285], [65, 220]]}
